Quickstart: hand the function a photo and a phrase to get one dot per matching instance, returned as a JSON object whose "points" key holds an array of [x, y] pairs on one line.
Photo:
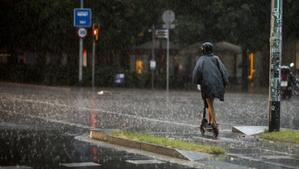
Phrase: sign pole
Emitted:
{"points": [[80, 59], [153, 53], [82, 20], [168, 17], [80, 51], [275, 62], [93, 62]]}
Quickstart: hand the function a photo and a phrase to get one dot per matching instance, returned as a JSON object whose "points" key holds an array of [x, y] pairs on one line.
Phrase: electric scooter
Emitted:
{"points": [[204, 124]]}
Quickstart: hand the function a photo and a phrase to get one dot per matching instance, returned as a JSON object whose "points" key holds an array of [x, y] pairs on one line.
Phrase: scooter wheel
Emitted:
{"points": [[202, 130], [215, 131]]}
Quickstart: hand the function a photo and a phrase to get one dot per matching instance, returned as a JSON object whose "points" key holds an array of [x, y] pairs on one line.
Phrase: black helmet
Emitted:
{"points": [[207, 48]]}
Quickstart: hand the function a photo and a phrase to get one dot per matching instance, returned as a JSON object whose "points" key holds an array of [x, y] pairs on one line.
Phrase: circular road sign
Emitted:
{"points": [[82, 32], [168, 17]]}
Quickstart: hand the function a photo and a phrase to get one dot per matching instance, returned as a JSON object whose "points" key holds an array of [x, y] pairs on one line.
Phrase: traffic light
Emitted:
{"points": [[95, 31]]}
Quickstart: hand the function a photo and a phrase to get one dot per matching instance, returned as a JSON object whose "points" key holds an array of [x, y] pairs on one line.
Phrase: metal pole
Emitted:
{"points": [[244, 70], [81, 3], [167, 62], [80, 59], [275, 62], [153, 53], [93, 63], [80, 52]]}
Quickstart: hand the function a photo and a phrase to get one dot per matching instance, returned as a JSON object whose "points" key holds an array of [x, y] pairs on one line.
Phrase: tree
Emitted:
{"points": [[46, 26]]}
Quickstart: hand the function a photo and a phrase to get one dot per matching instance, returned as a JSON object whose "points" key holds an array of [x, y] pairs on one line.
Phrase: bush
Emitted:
{"points": [[59, 75], [104, 76], [135, 80], [21, 73]]}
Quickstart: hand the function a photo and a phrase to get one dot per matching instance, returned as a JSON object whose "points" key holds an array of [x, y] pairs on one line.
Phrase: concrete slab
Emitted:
{"points": [[224, 165], [101, 136], [276, 163], [276, 157], [249, 130], [15, 167], [139, 162], [80, 164], [194, 156]]}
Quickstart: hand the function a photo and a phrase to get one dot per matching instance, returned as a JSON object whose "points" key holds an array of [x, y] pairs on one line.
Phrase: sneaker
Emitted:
{"points": [[209, 126]]}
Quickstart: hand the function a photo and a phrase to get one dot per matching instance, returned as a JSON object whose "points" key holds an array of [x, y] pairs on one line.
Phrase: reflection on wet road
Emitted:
{"points": [[24, 145]]}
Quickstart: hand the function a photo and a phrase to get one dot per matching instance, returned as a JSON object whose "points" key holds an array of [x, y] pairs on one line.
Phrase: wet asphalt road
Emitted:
{"points": [[140, 109], [29, 146], [47, 110]]}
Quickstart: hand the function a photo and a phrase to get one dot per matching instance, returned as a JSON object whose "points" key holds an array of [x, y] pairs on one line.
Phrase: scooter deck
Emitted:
{"points": [[203, 131]]}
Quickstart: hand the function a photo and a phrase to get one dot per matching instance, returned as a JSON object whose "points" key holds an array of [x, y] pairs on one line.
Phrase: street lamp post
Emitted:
{"points": [[275, 62]]}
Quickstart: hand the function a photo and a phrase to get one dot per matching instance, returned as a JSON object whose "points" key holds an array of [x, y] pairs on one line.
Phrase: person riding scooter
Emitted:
{"points": [[210, 73]]}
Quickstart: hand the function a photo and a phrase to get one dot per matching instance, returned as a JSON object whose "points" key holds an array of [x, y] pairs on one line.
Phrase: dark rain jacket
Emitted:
{"points": [[212, 76]]}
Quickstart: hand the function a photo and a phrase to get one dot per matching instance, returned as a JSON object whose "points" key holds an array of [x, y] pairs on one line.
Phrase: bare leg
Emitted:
{"points": [[209, 116], [212, 116]]}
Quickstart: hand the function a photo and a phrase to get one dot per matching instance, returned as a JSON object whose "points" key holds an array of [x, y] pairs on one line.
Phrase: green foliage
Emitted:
{"points": [[291, 25], [105, 76], [46, 27], [58, 75], [134, 80], [41, 25], [163, 141], [288, 136], [21, 73]]}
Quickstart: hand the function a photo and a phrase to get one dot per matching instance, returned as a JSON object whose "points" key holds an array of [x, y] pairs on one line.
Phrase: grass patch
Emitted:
{"points": [[163, 141], [289, 136]]}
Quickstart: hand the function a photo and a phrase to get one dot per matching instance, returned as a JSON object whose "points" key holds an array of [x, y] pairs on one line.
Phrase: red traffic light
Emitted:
{"points": [[95, 31]]}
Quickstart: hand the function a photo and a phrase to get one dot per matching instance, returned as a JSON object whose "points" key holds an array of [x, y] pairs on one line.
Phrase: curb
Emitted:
{"points": [[102, 136]]}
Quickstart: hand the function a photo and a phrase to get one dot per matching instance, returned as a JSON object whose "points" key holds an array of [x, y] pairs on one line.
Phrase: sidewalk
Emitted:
{"points": [[242, 152], [247, 151]]}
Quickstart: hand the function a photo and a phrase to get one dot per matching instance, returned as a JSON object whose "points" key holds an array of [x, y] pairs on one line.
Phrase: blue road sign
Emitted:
{"points": [[82, 17]]}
